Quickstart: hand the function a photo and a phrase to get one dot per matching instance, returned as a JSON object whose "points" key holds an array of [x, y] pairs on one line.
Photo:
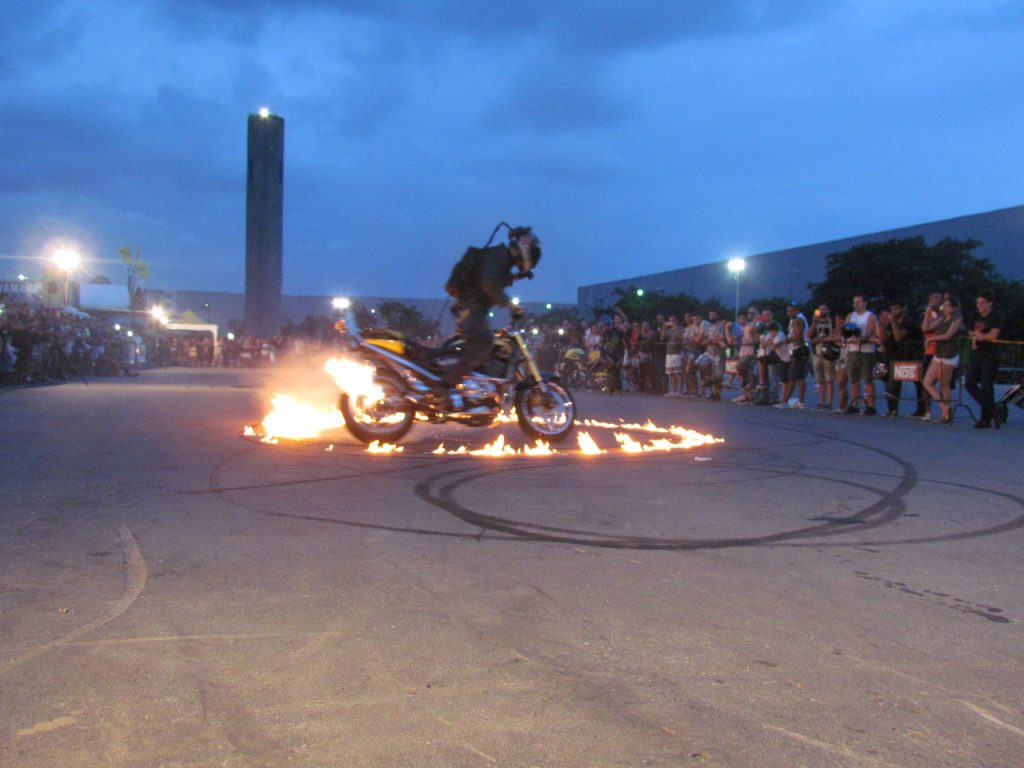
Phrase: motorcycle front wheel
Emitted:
{"points": [[385, 419], [546, 415]]}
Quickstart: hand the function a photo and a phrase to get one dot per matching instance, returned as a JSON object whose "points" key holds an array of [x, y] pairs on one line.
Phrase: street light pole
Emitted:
{"points": [[736, 266], [67, 259]]}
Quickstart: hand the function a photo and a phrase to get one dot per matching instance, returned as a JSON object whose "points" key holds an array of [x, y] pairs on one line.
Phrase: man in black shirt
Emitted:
{"points": [[985, 326], [903, 342]]}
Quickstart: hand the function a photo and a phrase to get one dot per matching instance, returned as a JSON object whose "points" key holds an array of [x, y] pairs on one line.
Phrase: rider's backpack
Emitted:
{"points": [[465, 274]]}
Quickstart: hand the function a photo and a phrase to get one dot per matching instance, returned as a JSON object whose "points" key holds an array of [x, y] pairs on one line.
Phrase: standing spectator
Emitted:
{"points": [[860, 359], [945, 360], [614, 349], [692, 339], [903, 342], [671, 336], [825, 351], [747, 356], [716, 338], [772, 351], [795, 375], [631, 363], [986, 325], [929, 322], [206, 351], [658, 355], [645, 347]]}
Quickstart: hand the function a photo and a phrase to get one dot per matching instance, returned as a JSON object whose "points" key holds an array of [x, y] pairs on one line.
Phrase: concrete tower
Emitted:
{"points": [[264, 213]]}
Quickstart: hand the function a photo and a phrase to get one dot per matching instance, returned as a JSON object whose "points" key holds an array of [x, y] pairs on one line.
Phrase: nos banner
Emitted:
{"points": [[906, 371]]}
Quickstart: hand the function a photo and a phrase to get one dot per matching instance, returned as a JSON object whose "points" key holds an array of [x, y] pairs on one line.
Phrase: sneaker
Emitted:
{"points": [[839, 411], [891, 414], [781, 406], [870, 411], [918, 415], [983, 424], [852, 411], [926, 417], [799, 404]]}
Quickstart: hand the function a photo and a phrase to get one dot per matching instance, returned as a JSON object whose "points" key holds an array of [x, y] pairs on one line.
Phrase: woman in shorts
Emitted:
{"points": [[946, 359], [670, 336]]}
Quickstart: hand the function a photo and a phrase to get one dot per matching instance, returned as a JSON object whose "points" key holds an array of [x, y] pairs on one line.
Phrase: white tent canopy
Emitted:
{"points": [[104, 298]]}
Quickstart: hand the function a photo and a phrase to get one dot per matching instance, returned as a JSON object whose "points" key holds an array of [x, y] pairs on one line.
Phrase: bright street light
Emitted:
{"points": [[67, 259], [341, 303], [515, 301], [639, 292]]}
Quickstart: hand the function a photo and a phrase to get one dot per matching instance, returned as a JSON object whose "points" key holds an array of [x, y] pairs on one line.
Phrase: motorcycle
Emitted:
{"points": [[406, 383], [584, 369]]}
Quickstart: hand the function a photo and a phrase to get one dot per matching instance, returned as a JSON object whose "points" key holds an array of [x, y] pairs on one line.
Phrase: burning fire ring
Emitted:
{"points": [[293, 420], [665, 440]]}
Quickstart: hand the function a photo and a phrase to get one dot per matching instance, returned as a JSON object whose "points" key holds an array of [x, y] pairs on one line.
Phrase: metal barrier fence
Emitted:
{"points": [[904, 364]]}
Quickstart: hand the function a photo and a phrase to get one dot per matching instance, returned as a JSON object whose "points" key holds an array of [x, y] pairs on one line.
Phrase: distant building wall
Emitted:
{"points": [[264, 212], [787, 272], [224, 308]]}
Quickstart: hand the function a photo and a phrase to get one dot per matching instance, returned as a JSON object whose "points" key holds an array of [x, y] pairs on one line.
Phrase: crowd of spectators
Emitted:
{"points": [[39, 345], [765, 360], [856, 359]]}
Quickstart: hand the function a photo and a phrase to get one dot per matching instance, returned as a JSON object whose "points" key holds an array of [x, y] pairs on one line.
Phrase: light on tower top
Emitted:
{"points": [[264, 113]]}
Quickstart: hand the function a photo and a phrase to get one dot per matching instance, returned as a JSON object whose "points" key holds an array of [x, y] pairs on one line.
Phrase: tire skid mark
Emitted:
{"points": [[136, 573], [889, 507]]}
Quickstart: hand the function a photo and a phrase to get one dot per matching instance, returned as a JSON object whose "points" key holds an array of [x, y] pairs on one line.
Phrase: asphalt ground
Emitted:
{"points": [[817, 590]]}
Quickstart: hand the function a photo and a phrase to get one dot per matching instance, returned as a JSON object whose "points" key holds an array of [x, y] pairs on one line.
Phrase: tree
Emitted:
{"points": [[647, 305], [904, 270], [777, 304], [314, 326], [396, 315], [908, 270]]}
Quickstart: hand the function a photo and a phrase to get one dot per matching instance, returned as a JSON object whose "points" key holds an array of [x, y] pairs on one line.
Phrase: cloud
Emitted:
{"points": [[34, 33], [554, 96]]}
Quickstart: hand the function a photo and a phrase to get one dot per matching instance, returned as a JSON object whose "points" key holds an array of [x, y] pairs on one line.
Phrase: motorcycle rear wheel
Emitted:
{"points": [[548, 416], [385, 420]]}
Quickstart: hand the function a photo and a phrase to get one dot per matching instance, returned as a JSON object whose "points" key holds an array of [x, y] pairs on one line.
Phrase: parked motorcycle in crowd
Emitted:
{"points": [[405, 383], [579, 368]]}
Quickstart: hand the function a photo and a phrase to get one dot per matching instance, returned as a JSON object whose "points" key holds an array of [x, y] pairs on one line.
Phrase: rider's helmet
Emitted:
{"points": [[525, 247]]}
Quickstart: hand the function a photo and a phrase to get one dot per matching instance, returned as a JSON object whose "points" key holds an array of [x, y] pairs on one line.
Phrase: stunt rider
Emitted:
{"points": [[477, 283]]}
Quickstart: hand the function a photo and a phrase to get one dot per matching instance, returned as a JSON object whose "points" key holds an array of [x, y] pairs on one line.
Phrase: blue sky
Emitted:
{"points": [[634, 136]]}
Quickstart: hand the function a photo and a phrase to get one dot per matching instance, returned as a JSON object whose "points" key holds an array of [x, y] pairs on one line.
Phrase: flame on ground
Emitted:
{"points": [[295, 420], [378, 447], [587, 444]]}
